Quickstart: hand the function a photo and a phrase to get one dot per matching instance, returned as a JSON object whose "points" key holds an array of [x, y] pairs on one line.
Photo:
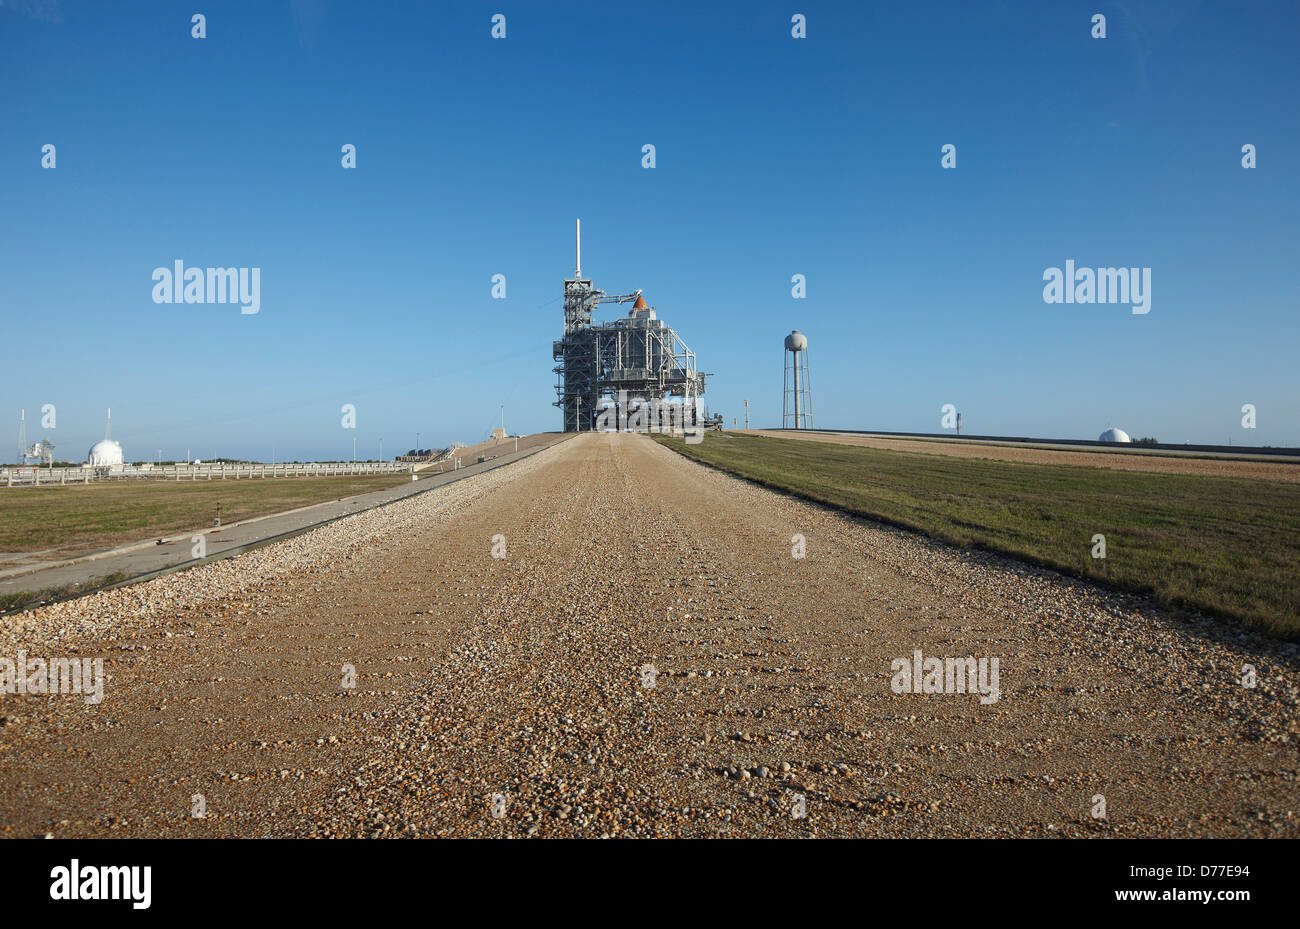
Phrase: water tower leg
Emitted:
{"points": [[797, 396]]}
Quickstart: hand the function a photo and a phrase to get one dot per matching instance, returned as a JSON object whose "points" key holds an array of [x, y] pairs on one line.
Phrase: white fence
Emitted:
{"points": [[18, 475]]}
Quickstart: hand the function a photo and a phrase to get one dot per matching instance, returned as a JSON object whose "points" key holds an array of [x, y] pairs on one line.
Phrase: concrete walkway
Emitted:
{"points": [[140, 560]]}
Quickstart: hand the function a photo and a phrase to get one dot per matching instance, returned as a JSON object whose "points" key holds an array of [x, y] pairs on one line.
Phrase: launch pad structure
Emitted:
{"points": [[634, 359]]}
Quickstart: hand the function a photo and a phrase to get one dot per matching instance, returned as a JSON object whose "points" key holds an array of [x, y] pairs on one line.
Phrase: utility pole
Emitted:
{"points": [[381, 448], [503, 419], [417, 444], [579, 414], [746, 415], [354, 449]]}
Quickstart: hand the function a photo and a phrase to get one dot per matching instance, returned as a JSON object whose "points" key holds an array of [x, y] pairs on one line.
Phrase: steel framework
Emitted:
{"points": [[796, 407], [637, 358]]}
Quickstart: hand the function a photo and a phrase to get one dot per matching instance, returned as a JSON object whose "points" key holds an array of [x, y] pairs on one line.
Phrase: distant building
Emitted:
{"points": [[1114, 435], [42, 453], [629, 362]]}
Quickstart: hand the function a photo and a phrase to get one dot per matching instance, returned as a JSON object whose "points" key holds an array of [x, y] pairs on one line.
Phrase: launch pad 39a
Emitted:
{"points": [[636, 359]]}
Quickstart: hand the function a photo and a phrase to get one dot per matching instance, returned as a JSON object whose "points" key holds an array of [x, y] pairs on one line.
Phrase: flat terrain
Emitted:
{"points": [[1231, 545], [50, 523], [522, 676], [1135, 459], [39, 582]]}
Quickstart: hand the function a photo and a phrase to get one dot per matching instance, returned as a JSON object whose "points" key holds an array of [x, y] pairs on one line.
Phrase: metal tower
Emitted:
{"points": [[637, 357], [796, 407]]}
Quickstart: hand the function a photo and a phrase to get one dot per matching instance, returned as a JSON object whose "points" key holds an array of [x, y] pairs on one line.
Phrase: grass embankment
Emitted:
{"points": [[1229, 546], [109, 513]]}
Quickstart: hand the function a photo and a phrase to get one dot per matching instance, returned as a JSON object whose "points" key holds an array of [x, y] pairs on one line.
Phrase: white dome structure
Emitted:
{"points": [[1114, 435], [104, 454]]}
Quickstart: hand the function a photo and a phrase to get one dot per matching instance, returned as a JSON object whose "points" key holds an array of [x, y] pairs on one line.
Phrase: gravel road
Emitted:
{"points": [[511, 696]]}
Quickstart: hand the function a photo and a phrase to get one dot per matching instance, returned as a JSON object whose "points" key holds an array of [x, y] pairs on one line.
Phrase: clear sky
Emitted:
{"points": [[775, 156]]}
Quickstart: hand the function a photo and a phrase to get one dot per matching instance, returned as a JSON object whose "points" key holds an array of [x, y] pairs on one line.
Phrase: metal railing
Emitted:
{"points": [[31, 475]]}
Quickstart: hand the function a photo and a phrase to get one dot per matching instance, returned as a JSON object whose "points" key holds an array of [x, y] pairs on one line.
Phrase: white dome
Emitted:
{"points": [[104, 453], [796, 341], [1114, 435]]}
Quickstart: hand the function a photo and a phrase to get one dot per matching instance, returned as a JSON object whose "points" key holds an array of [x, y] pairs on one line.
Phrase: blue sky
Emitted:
{"points": [[775, 156]]}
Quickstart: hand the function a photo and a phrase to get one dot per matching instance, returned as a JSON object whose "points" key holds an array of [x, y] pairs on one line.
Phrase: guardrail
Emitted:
{"points": [[17, 475]]}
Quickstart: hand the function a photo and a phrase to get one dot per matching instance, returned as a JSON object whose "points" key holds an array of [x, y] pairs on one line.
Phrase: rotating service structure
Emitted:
{"points": [[638, 357]]}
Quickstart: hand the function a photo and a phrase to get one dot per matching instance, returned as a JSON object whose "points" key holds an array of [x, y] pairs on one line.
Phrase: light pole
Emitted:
{"points": [[354, 449], [579, 414], [381, 448]]}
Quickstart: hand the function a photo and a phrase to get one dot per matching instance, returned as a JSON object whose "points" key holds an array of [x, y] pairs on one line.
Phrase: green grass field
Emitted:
{"points": [[1228, 546], [109, 513]]}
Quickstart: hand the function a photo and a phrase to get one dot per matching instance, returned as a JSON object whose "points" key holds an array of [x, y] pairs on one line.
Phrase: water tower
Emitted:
{"points": [[796, 411]]}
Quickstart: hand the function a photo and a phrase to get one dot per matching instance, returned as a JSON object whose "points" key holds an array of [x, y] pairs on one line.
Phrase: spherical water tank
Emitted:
{"points": [[105, 453], [796, 341], [1114, 435]]}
